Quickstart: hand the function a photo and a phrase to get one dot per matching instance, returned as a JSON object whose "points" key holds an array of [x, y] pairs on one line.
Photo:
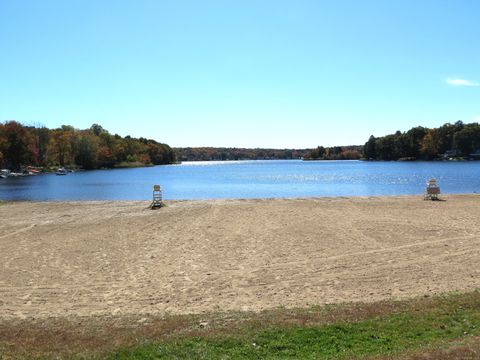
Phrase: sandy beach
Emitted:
{"points": [[119, 258]]}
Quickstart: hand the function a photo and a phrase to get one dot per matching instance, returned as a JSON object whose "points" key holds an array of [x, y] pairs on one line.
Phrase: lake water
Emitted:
{"points": [[248, 179]]}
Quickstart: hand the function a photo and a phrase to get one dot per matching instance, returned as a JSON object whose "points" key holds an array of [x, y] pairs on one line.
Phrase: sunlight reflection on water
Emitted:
{"points": [[248, 179]]}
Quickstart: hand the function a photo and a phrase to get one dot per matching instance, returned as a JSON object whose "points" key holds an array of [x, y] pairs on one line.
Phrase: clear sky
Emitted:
{"points": [[244, 73]]}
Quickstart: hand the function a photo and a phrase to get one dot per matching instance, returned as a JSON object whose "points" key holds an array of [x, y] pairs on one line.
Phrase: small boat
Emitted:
{"points": [[61, 171], [3, 176]]}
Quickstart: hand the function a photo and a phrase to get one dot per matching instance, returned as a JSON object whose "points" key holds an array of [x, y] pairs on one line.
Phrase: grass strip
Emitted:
{"points": [[439, 327], [381, 335]]}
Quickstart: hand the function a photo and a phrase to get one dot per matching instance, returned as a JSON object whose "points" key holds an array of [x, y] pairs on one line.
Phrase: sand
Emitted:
{"points": [[119, 258]]}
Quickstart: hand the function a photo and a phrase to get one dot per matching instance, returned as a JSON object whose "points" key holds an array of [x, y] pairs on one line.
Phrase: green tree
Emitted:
{"points": [[414, 138], [86, 150], [446, 133], [96, 129], [467, 140], [385, 148], [369, 149]]}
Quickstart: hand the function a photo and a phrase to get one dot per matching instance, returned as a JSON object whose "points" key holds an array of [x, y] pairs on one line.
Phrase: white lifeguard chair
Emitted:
{"points": [[157, 198], [432, 190]]}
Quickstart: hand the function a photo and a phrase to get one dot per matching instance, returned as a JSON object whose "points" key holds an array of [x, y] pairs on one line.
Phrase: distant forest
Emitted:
{"points": [[212, 153], [92, 148], [457, 140], [320, 153], [353, 152]]}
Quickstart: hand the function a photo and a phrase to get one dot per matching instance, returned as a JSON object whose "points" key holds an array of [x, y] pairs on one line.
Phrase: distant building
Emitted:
{"points": [[475, 154], [451, 153]]}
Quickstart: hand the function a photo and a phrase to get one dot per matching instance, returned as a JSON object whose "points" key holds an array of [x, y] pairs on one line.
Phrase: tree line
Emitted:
{"points": [[319, 153], [222, 153], [92, 148], [352, 152], [449, 140]]}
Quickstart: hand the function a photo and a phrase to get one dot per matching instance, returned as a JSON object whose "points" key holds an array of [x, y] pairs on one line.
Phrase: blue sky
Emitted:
{"points": [[244, 73]]}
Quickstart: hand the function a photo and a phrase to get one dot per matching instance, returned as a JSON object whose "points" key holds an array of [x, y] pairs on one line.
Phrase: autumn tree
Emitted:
{"points": [[16, 150], [42, 137], [431, 144], [61, 146]]}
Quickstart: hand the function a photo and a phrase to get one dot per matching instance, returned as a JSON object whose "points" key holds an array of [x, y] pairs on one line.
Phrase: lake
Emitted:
{"points": [[248, 179]]}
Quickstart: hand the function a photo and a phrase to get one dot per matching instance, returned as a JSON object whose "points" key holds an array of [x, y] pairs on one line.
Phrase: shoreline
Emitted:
{"points": [[419, 195]]}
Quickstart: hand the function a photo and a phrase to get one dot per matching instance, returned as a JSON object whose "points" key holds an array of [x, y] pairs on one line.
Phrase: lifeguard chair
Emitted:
{"points": [[432, 190], [157, 197]]}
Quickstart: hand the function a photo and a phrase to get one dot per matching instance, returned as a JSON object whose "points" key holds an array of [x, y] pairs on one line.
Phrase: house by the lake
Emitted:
{"points": [[475, 155], [451, 153]]}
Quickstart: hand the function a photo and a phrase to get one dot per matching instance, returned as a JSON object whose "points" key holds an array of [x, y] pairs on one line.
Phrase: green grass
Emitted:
{"points": [[440, 327], [381, 335]]}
